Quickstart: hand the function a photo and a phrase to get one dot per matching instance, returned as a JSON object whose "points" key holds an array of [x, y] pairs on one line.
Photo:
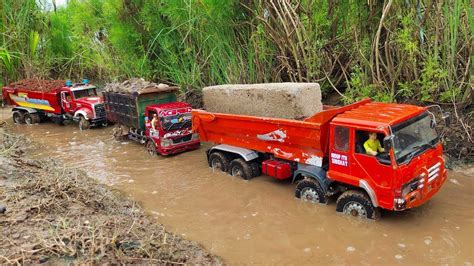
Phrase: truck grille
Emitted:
{"points": [[182, 139], [99, 110], [433, 172]]}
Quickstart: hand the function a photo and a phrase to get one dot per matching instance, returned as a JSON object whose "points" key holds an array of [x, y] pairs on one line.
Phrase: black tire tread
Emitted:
{"points": [[361, 197], [323, 199], [225, 162], [246, 169]]}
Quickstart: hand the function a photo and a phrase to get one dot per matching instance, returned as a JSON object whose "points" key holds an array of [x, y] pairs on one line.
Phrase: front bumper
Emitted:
{"points": [[98, 120], [422, 195], [174, 149]]}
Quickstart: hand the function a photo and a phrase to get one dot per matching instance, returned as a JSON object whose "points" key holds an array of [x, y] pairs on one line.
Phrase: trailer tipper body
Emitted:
{"points": [[35, 100], [324, 154]]}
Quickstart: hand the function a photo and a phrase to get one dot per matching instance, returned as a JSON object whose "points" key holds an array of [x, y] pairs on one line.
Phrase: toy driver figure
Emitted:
{"points": [[154, 124], [372, 145]]}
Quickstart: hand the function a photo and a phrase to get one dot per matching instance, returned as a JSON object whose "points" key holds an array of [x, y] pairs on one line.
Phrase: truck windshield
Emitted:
{"points": [[413, 137], [85, 93], [175, 122]]}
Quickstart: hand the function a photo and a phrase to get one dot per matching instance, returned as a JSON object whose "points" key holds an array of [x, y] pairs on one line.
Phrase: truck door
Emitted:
{"points": [[66, 101], [339, 161], [376, 170]]}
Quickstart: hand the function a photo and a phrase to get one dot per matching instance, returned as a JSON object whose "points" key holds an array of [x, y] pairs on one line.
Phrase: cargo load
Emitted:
{"points": [[276, 100]]}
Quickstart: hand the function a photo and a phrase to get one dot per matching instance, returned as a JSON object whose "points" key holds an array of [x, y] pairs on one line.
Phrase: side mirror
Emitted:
{"points": [[387, 142], [447, 118]]}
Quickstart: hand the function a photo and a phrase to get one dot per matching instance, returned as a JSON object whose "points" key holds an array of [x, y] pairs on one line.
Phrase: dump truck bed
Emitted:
{"points": [[299, 141], [28, 98], [129, 109]]}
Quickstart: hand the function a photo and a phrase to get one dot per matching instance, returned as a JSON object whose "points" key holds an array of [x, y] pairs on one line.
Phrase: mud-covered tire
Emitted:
{"points": [[356, 203], [117, 133], [311, 191], [28, 119], [18, 117], [36, 118], [239, 167], [255, 168], [84, 124], [218, 160], [151, 148]]}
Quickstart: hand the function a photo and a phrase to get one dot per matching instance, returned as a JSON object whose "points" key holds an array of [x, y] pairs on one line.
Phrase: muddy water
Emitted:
{"points": [[260, 221]]}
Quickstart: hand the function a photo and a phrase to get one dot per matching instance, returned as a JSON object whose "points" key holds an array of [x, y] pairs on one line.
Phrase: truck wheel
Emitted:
{"points": [[309, 190], [18, 117], [151, 148], [218, 160], [239, 167], [255, 169], [28, 119], [36, 118], [84, 124], [356, 203]]}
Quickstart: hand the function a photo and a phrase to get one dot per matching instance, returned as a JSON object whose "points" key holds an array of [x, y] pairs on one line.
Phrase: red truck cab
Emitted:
{"points": [[406, 176], [172, 133]]}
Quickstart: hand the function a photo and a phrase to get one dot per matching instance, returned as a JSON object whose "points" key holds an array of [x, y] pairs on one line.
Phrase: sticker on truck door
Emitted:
{"points": [[339, 159]]}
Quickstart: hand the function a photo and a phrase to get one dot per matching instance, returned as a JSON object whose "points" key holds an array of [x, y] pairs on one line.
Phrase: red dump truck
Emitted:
{"points": [[325, 157], [36, 100], [133, 113]]}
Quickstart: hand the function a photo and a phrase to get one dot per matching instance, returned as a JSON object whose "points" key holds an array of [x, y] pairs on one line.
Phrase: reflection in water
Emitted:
{"points": [[260, 221]]}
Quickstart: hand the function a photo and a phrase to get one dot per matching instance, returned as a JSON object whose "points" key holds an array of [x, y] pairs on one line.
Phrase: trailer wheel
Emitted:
{"points": [[218, 160], [18, 117], [356, 203], [309, 190], [151, 148], [239, 167], [84, 124]]}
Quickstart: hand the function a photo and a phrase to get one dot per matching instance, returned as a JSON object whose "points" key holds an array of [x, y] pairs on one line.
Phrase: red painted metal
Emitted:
{"points": [[179, 137], [311, 142], [276, 168], [57, 101]]}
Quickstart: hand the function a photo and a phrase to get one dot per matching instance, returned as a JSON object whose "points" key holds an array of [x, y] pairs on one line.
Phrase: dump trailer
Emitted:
{"points": [[34, 101], [325, 155], [133, 113]]}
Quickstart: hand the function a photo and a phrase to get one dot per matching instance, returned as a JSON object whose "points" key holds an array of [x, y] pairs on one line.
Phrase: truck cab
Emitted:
{"points": [[172, 131], [410, 168], [82, 102]]}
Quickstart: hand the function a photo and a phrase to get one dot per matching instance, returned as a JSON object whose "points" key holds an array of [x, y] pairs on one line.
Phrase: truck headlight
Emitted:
{"points": [[411, 186], [166, 142]]}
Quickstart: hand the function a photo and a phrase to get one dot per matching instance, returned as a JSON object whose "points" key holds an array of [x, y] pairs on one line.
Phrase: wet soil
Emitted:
{"points": [[52, 213], [38, 84], [260, 221]]}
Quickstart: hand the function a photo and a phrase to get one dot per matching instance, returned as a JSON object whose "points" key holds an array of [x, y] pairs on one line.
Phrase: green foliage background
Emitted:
{"points": [[389, 50]]}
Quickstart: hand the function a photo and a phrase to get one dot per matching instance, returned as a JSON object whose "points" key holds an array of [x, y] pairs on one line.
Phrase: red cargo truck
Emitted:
{"points": [[324, 154], [33, 101], [133, 113]]}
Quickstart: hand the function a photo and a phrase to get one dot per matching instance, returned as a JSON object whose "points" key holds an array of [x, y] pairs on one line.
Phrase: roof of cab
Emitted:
{"points": [[171, 105], [377, 114]]}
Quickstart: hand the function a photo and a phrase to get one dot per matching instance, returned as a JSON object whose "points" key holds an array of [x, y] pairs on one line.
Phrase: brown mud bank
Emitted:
{"points": [[56, 213]]}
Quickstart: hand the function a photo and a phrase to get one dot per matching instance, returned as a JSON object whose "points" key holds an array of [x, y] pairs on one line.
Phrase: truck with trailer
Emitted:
{"points": [[35, 100], [133, 112], [324, 155]]}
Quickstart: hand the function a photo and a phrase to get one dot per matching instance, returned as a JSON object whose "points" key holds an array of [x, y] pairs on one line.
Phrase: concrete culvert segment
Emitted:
{"points": [[277, 100]]}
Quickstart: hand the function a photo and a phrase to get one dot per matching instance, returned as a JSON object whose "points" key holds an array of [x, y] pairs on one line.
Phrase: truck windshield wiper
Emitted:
{"points": [[416, 149]]}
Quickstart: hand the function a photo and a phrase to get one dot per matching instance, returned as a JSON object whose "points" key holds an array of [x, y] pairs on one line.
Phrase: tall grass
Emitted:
{"points": [[388, 50]]}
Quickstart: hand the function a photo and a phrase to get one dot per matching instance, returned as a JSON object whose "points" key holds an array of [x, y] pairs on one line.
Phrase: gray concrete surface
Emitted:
{"points": [[277, 100]]}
